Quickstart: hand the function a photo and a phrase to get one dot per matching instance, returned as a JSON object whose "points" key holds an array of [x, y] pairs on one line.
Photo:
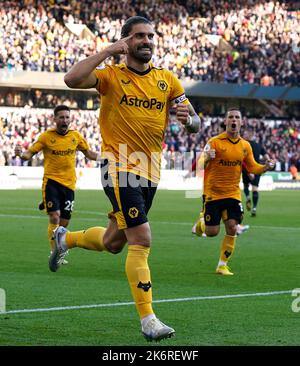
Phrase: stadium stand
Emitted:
{"points": [[243, 42], [22, 125], [247, 43]]}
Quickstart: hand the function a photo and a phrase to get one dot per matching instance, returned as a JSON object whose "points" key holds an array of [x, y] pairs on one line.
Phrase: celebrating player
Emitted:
{"points": [[135, 100], [59, 146], [222, 161]]}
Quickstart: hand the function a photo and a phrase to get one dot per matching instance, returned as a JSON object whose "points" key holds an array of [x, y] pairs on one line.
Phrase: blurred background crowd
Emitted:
{"points": [[23, 125], [260, 40], [241, 42]]}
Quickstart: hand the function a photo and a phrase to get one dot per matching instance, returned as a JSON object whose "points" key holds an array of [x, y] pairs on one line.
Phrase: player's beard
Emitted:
{"points": [[140, 56]]}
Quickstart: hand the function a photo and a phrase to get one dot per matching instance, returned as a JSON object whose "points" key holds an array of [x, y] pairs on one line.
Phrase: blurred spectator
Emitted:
{"points": [[294, 172]]}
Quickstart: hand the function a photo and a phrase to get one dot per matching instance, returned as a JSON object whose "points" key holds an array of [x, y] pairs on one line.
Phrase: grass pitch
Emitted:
{"points": [[203, 309]]}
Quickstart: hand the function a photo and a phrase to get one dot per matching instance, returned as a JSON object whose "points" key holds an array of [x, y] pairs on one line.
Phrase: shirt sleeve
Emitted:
{"points": [[83, 145], [103, 75], [177, 93], [251, 165], [38, 145]]}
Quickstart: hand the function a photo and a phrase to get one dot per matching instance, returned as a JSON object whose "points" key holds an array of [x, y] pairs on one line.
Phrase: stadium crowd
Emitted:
{"points": [[39, 98], [245, 41], [23, 125]]}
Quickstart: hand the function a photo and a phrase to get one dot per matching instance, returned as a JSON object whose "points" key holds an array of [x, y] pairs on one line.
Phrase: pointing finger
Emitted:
{"points": [[125, 39]]}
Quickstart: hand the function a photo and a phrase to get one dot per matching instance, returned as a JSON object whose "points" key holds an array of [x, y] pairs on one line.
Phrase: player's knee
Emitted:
{"points": [[114, 247], [211, 231], [144, 241], [211, 235]]}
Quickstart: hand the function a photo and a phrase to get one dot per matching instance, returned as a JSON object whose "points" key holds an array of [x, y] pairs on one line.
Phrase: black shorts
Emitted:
{"points": [[131, 197], [57, 197], [225, 209], [247, 180]]}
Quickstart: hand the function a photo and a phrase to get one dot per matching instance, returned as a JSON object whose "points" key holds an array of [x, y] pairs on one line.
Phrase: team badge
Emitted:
{"points": [[133, 212], [207, 218], [145, 286], [162, 85], [227, 253], [49, 204]]}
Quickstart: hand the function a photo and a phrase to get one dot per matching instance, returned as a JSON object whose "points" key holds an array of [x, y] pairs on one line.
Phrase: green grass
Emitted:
{"points": [[182, 266]]}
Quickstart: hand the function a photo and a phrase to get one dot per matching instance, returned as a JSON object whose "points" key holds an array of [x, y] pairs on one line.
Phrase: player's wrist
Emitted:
{"points": [[189, 121]]}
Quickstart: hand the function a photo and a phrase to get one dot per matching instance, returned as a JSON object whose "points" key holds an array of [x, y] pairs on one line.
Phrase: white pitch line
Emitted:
{"points": [[75, 217], [45, 217], [35, 209], [234, 296]]}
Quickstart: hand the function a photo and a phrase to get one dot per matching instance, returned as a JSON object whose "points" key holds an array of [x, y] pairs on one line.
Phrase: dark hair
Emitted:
{"points": [[61, 107], [233, 109], [130, 22]]}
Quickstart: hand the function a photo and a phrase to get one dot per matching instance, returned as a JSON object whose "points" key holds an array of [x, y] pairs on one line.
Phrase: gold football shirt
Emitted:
{"points": [[60, 155], [134, 115], [223, 173]]}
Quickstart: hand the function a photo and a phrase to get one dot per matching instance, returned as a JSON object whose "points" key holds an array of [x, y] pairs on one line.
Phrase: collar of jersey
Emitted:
{"points": [[232, 140], [60, 134], [139, 72]]}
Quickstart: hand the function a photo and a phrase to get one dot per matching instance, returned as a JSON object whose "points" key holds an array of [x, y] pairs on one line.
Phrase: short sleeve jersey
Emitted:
{"points": [[134, 115], [222, 174], [60, 155]]}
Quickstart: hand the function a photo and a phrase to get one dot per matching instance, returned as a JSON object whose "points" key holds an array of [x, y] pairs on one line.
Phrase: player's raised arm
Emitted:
{"points": [[81, 74]]}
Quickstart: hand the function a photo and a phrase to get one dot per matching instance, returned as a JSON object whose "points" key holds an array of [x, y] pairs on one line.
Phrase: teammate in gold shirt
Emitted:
{"points": [[222, 161], [59, 146], [135, 101]]}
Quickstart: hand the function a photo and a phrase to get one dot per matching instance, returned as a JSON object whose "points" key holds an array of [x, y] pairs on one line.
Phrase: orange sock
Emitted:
{"points": [[91, 239], [138, 275]]}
